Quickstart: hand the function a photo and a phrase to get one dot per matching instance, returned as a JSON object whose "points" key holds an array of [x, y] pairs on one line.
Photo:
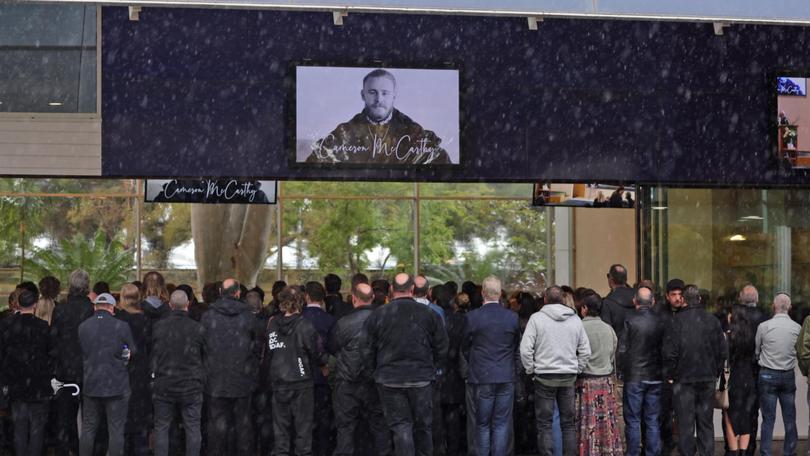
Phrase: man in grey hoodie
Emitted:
{"points": [[554, 349]]}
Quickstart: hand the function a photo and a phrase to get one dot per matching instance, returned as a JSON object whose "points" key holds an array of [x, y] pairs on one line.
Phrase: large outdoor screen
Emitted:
{"points": [[584, 195], [368, 116], [792, 121]]}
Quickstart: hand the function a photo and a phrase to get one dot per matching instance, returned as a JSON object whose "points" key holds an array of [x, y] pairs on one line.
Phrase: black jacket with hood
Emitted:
{"points": [[292, 352], [232, 346], [617, 306]]}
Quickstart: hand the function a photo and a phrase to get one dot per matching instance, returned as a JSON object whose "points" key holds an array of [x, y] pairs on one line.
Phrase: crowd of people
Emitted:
{"points": [[399, 368]]}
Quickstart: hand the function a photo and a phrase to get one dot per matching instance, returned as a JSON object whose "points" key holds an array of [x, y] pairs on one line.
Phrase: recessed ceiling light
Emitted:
{"points": [[55, 103], [659, 208], [737, 238], [752, 217]]}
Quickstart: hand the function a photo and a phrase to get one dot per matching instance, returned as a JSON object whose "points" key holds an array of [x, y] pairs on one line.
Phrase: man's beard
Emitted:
{"points": [[379, 113]]}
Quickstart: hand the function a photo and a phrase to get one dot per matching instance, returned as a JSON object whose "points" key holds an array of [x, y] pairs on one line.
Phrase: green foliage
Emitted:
{"points": [[104, 260]]}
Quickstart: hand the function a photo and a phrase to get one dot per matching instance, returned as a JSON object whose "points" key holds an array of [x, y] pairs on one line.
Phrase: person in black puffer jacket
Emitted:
{"points": [[232, 349], [355, 395], [292, 352]]}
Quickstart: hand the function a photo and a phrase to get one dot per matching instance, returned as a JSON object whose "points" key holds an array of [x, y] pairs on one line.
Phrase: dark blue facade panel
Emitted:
{"points": [[208, 92]]}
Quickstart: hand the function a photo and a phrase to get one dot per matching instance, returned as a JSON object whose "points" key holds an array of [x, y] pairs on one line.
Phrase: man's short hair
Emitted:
{"points": [[749, 296], [332, 283], [27, 299], [230, 291], [592, 302], [553, 295], [315, 291], [781, 303], [258, 290], [278, 285], [644, 297], [101, 287], [30, 286], [402, 287], [421, 285], [363, 294], [691, 295], [359, 278], [79, 283], [618, 274], [491, 287], [179, 299], [380, 73]]}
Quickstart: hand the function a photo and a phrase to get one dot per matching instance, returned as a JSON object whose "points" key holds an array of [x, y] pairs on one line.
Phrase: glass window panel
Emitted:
{"points": [[468, 240], [519, 191], [345, 237], [48, 56], [298, 189], [96, 234], [10, 245], [68, 186], [166, 242], [724, 239]]}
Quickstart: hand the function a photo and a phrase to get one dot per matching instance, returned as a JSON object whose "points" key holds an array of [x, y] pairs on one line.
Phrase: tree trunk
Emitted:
{"points": [[231, 240]]}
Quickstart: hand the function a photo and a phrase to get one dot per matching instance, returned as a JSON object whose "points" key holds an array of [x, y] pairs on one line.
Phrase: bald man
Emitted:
{"points": [[356, 399], [775, 347], [232, 347], [406, 344]]}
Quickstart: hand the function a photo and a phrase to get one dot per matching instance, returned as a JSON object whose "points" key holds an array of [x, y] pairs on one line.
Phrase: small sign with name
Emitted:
{"points": [[211, 191]]}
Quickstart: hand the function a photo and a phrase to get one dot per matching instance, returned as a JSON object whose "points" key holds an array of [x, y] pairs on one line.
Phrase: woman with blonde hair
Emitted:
{"points": [[139, 415]]}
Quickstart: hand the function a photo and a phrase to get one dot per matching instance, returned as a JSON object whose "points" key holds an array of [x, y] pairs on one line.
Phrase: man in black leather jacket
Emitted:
{"points": [[356, 396], [639, 359]]}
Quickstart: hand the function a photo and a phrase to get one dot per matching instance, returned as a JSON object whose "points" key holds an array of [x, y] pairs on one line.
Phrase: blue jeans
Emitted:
{"points": [[777, 385], [642, 401], [556, 431], [493, 413]]}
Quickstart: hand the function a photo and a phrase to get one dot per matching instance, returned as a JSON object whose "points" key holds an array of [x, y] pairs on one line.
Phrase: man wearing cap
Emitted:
{"points": [[639, 360], [775, 348], [666, 311], [25, 369], [106, 344]]}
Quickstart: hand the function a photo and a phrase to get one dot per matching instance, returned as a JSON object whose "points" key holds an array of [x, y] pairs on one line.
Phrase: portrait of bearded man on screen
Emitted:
{"points": [[380, 134]]}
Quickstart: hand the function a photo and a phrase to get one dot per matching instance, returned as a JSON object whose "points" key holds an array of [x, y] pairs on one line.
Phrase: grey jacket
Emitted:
{"points": [[555, 342], [603, 343], [102, 338]]}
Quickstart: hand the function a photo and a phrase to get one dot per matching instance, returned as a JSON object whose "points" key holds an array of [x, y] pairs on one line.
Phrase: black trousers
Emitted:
{"points": [[29, 426], [666, 417], [293, 414], [694, 410], [67, 430], [357, 403], [452, 416], [263, 421], [230, 428], [439, 438], [322, 437], [409, 414], [190, 406]]}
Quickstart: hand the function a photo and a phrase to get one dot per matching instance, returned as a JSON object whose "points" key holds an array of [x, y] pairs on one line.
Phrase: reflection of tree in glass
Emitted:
{"points": [[107, 261]]}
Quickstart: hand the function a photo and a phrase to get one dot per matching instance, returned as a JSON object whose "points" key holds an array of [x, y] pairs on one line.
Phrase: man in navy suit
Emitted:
{"points": [[490, 345]]}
